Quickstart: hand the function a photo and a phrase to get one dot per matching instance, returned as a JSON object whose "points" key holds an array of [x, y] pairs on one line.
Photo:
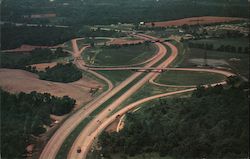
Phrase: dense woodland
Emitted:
{"points": [[78, 14], [14, 36], [61, 73], [23, 116], [88, 12], [222, 48], [213, 123], [21, 60]]}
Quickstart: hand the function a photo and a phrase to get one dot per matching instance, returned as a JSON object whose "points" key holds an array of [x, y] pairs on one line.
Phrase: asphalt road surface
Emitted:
{"points": [[85, 135], [51, 149], [102, 120]]}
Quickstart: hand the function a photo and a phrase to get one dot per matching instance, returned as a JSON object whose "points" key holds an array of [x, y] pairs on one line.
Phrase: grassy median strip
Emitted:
{"points": [[120, 55], [146, 89], [169, 51], [116, 76], [181, 53], [72, 137], [187, 78], [88, 75]]}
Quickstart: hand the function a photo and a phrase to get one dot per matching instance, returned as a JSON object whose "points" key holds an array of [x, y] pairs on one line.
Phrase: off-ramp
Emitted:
{"points": [[85, 136], [94, 127], [51, 149], [101, 121]]}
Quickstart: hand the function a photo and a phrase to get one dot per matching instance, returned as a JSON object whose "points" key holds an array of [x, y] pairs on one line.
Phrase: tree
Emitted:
{"points": [[246, 50], [92, 44], [59, 50], [232, 80], [233, 49], [239, 49]]}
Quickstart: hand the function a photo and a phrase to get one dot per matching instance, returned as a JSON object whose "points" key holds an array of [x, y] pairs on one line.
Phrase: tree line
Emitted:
{"points": [[23, 117], [222, 48], [89, 12], [14, 36], [61, 73], [212, 123], [21, 60]]}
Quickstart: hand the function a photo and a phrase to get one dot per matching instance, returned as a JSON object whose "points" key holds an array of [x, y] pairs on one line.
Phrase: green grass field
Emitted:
{"points": [[84, 42], [95, 155], [237, 42], [117, 26], [71, 138], [132, 38], [119, 56], [223, 59], [189, 78], [68, 45], [163, 33], [14, 56], [181, 53], [146, 91], [116, 76]]}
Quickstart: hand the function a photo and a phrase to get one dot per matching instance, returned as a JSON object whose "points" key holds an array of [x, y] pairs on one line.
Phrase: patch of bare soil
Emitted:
{"points": [[194, 21], [120, 41], [113, 126], [42, 66], [15, 81]]}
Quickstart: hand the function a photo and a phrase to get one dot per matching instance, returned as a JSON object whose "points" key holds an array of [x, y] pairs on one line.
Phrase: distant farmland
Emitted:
{"points": [[194, 21]]}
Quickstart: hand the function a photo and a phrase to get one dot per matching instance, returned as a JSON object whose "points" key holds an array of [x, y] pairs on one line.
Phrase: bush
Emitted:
{"points": [[61, 73], [21, 60], [24, 115], [212, 123]]}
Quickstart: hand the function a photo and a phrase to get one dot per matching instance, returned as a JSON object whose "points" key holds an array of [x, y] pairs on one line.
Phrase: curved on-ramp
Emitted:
{"points": [[84, 138], [52, 147], [222, 72], [87, 142], [131, 106], [93, 129]]}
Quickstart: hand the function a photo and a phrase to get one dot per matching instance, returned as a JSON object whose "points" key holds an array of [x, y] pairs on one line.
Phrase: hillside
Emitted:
{"points": [[212, 123], [89, 11]]}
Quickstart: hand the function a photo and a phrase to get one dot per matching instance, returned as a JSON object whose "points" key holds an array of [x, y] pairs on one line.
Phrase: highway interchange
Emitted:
{"points": [[147, 73]]}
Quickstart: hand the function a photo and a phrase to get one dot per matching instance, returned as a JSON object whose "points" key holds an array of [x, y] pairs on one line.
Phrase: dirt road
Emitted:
{"points": [[16, 81]]}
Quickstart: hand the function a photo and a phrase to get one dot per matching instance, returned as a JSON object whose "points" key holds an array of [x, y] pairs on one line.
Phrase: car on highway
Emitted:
{"points": [[79, 150]]}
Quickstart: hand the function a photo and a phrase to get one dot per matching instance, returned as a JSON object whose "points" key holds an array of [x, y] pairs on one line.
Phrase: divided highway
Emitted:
{"points": [[102, 120], [108, 120], [85, 138], [51, 149]]}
